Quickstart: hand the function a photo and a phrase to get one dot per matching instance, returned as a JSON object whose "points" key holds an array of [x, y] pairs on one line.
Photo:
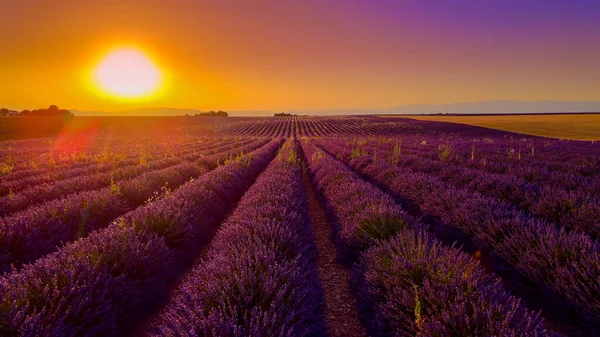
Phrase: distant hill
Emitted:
{"points": [[165, 112], [499, 106], [139, 112], [483, 107]]}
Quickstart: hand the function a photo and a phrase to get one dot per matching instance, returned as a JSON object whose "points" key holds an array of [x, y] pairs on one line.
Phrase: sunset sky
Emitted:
{"points": [[310, 54]]}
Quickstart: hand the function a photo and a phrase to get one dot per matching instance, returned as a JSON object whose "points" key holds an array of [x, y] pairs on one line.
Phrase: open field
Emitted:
{"points": [[297, 226], [33, 127], [576, 126]]}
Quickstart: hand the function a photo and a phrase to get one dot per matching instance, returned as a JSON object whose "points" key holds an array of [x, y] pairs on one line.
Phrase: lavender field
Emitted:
{"points": [[299, 226]]}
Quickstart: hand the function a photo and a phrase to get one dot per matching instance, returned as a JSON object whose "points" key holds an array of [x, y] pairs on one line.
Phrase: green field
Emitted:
{"points": [[580, 127]]}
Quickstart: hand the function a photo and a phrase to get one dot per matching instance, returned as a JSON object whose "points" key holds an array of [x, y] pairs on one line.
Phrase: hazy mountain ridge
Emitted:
{"points": [[500, 106], [482, 107], [158, 111]]}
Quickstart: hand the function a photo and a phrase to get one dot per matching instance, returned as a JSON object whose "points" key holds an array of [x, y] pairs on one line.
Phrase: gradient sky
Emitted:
{"points": [[309, 54]]}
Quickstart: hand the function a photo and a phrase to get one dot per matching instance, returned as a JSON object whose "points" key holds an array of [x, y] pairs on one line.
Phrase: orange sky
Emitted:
{"points": [[255, 55]]}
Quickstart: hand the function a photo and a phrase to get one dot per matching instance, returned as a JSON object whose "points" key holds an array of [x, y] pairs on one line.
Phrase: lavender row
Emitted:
{"points": [[405, 280], [413, 285], [48, 191], [570, 166], [362, 213], [63, 145], [322, 126], [58, 162], [12, 186], [37, 146], [267, 127], [506, 155], [109, 160], [566, 265], [39, 230], [28, 165], [259, 276], [574, 210], [107, 283], [570, 177], [39, 193]]}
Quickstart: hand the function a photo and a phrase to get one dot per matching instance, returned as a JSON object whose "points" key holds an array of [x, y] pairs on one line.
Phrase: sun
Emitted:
{"points": [[127, 73]]}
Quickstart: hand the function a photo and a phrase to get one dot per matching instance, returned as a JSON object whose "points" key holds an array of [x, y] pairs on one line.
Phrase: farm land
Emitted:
{"points": [[563, 126], [299, 226]]}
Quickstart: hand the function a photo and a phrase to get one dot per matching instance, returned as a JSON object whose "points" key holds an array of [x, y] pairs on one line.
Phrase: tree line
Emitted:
{"points": [[52, 111], [213, 114]]}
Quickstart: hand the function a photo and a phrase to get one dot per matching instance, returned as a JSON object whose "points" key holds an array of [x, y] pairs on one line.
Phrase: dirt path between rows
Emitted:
{"points": [[341, 316]]}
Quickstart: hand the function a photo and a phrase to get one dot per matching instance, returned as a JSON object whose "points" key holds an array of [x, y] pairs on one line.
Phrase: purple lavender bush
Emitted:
{"points": [[121, 272], [413, 285], [566, 265], [363, 214], [91, 287], [30, 234], [259, 276], [39, 230], [411, 266]]}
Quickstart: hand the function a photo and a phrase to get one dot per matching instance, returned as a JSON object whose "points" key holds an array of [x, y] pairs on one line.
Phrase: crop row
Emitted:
{"points": [[113, 158], [407, 282], [164, 133], [24, 163], [55, 158], [272, 127], [109, 281], [565, 265], [574, 210], [107, 160], [39, 230], [259, 277], [51, 190], [534, 161], [319, 127], [507, 152], [28, 148], [353, 126]]}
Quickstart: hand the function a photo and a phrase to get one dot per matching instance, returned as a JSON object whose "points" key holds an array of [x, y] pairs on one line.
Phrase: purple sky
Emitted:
{"points": [[306, 54]]}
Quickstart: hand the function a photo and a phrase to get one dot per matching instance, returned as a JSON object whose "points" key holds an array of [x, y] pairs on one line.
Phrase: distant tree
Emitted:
{"points": [[213, 114], [3, 112], [52, 111], [283, 114]]}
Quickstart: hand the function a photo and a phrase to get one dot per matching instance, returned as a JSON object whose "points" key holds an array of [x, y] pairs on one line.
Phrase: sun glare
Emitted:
{"points": [[127, 73]]}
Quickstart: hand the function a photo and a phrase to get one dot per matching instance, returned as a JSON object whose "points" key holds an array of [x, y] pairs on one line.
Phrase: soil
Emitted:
{"points": [[341, 316]]}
